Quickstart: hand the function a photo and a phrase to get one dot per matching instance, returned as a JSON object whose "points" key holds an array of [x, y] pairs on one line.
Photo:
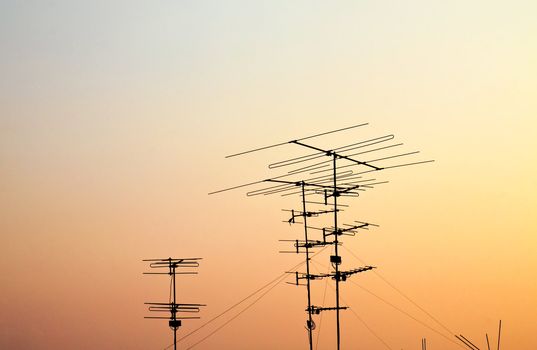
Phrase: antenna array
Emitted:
{"points": [[170, 264], [321, 179]]}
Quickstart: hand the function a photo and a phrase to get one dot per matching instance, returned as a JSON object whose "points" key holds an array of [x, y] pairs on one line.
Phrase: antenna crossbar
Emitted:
{"points": [[317, 309], [336, 155]]}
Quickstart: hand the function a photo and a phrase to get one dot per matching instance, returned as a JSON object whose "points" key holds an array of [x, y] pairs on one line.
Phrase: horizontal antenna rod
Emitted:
{"points": [[320, 154], [337, 155], [172, 259], [325, 163], [383, 168], [304, 138]]}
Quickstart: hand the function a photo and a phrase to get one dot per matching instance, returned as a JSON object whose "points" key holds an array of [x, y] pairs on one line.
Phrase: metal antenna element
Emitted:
{"points": [[304, 138], [466, 342], [472, 346], [499, 333], [325, 177], [172, 306], [423, 344]]}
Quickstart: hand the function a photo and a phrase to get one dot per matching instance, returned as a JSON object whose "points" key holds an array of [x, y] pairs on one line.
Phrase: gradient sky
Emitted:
{"points": [[115, 117]]}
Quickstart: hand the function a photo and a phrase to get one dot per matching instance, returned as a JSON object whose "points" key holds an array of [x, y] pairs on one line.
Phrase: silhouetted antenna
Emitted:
{"points": [[423, 344], [325, 182], [172, 307], [488, 344], [499, 333]]}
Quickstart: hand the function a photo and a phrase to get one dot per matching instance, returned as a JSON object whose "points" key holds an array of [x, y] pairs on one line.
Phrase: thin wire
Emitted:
{"points": [[228, 309], [355, 314], [238, 314], [322, 304], [399, 309], [243, 300], [404, 312], [402, 294], [368, 328]]}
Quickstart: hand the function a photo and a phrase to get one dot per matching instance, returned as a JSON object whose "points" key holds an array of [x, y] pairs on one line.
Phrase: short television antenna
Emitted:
{"points": [[172, 306]]}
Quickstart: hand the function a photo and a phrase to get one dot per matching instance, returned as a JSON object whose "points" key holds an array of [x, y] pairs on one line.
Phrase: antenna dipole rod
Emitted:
{"points": [[304, 138]]}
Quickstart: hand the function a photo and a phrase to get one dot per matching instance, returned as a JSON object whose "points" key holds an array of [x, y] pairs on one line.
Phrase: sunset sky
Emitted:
{"points": [[116, 116]]}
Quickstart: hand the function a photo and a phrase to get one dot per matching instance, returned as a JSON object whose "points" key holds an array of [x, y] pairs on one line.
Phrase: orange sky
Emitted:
{"points": [[115, 118]]}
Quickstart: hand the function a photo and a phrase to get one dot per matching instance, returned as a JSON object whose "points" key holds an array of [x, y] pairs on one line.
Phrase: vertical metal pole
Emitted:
{"points": [[499, 334], [310, 336], [336, 252], [174, 338], [174, 314]]}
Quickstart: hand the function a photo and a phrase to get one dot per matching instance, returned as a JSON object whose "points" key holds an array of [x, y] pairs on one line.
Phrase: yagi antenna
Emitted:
{"points": [[170, 265]]}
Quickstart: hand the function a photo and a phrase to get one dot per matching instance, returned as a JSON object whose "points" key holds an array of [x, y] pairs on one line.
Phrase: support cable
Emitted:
{"points": [[239, 313], [368, 328], [403, 294], [322, 304], [404, 312], [243, 300], [355, 314]]}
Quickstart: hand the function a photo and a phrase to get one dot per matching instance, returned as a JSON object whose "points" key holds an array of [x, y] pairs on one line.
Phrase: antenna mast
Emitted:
{"points": [[172, 306]]}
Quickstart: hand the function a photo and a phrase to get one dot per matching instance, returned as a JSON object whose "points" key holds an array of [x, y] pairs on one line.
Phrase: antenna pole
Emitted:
{"points": [[336, 259], [174, 311], [310, 322], [499, 333]]}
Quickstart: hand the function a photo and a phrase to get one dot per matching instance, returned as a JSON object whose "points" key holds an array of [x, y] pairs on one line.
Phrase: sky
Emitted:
{"points": [[116, 116]]}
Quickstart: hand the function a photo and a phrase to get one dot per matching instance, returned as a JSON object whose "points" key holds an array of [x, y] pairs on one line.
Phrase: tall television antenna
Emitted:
{"points": [[174, 308], [339, 176]]}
